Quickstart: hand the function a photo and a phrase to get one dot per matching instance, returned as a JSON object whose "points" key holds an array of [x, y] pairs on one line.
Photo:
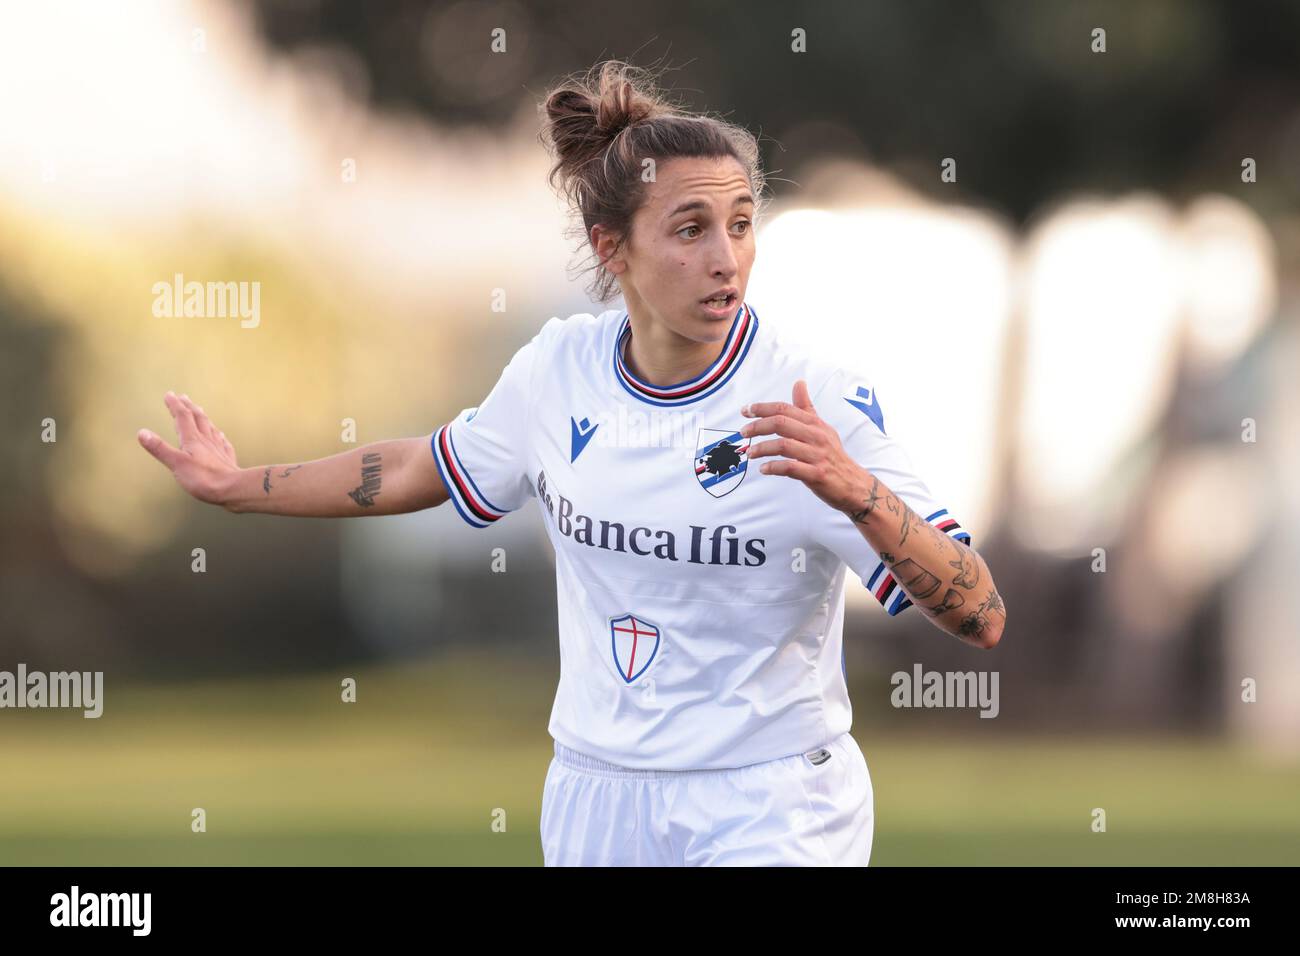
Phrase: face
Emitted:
{"points": [[691, 237]]}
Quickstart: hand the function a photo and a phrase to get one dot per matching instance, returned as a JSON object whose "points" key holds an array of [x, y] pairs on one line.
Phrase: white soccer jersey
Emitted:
{"points": [[701, 602]]}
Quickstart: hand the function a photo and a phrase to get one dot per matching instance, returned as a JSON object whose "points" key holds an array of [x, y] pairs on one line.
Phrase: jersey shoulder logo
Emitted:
{"points": [[864, 400], [580, 434], [635, 644], [721, 457]]}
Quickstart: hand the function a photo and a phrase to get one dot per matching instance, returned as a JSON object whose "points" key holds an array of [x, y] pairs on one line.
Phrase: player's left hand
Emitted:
{"points": [[812, 449]]}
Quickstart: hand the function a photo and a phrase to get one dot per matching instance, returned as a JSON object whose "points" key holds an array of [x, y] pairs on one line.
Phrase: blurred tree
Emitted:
{"points": [[1012, 88]]}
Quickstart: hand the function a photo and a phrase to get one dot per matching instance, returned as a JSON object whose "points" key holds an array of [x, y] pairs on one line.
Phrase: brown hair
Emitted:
{"points": [[600, 127]]}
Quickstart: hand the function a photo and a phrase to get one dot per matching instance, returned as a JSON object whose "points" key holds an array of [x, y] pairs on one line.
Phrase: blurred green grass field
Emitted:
{"points": [[417, 770]]}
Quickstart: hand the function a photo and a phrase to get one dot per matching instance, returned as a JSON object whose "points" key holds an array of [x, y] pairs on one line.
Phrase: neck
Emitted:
{"points": [[658, 355]]}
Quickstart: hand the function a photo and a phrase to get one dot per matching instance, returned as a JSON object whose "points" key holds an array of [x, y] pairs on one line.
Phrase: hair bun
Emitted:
{"points": [[585, 116], [620, 104]]}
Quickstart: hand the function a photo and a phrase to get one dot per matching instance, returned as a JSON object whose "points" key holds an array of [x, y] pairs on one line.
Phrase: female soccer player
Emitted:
{"points": [[702, 715]]}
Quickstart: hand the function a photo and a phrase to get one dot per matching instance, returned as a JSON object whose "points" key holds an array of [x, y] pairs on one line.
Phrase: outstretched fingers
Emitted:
{"points": [[154, 445], [187, 430], [205, 426]]}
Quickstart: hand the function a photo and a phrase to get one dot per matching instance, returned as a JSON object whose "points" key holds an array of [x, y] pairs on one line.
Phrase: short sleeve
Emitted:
{"points": [[851, 405], [483, 453]]}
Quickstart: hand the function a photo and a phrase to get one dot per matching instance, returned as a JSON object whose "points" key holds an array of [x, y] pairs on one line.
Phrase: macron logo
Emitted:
{"points": [[866, 403], [581, 434]]}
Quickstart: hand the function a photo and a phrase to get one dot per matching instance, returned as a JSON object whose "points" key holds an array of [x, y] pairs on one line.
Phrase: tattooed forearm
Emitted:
{"points": [[911, 521], [946, 579], [364, 493], [872, 500], [266, 476], [919, 582], [978, 621], [916, 580], [973, 624], [951, 601], [968, 569]]}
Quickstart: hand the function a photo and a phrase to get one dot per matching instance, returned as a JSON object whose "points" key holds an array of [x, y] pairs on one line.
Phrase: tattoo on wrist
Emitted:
{"points": [[266, 476], [364, 493], [869, 505], [873, 499]]}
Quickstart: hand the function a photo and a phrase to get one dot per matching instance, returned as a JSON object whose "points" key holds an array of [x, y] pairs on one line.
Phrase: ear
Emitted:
{"points": [[604, 242]]}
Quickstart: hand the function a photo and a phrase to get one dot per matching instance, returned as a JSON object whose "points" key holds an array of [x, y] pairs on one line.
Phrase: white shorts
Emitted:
{"points": [[808, 809]]}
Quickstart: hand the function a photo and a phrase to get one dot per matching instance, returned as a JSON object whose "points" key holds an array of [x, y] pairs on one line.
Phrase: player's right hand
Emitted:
{"points": [[204, 464]]}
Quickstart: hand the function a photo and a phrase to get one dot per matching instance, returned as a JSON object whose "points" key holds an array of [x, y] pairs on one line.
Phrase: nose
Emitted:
{"points": [[722, 256]]}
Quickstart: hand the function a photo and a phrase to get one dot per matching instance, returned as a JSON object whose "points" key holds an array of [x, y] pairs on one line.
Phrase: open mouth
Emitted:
{"points": [[721, 302]]}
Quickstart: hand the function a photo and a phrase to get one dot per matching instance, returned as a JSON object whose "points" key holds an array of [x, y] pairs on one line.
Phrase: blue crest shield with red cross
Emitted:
{"points": [[635, 642]]}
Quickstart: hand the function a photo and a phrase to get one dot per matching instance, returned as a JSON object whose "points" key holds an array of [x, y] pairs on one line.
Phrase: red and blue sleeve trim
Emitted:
{"points": [[881, 582], [470, 502]]}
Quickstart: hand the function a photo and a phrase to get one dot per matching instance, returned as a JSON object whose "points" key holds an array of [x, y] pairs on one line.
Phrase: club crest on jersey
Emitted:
{"points": [[721, 457], [635, 643]]}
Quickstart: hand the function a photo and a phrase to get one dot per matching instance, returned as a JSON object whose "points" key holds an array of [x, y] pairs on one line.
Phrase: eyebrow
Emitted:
{"points": [[701, 204]]}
